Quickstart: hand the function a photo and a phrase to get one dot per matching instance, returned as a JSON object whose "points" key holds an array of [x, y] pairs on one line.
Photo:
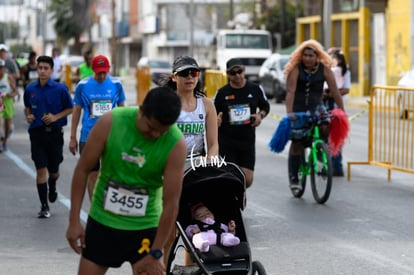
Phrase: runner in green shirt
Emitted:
{"points": [[136, 197]]}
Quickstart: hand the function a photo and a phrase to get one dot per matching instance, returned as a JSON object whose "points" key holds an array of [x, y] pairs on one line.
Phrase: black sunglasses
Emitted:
{"points": [[188, 72], [235, 72]]}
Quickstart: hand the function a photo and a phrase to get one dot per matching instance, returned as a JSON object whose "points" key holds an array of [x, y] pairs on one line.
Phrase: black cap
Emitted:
{"points": [[184, 62], [234, 62]]}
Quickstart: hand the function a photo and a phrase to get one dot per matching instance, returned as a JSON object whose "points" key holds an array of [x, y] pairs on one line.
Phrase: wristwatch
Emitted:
{"points": [[156, 253], [262, 115]]}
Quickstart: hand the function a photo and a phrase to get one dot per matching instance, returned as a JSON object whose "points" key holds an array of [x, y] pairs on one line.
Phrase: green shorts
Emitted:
{"points": [[8, 111]]}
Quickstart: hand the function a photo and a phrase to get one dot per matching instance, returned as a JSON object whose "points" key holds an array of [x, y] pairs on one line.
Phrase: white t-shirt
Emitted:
{"points": [[57, 64]]}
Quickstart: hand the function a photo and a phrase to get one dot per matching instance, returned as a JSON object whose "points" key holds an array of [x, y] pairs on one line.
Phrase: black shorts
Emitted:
{"points": [[111, 247], [242, 154], [97, 165], [46, 145]]}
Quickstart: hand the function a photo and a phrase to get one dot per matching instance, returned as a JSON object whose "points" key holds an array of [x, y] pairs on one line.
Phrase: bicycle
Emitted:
{"points": [[316, 160]]}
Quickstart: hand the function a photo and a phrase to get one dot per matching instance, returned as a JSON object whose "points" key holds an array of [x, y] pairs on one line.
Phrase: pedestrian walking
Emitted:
{"points": [[94, 96], [8, 91], [47, 105], [6, 117], [85, 69], [343, 83], [136, 198], [197, 120], [57, 65], [198, 117], [29, 71], [241, 105]]}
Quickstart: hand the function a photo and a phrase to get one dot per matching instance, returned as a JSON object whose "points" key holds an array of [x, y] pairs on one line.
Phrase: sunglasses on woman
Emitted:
{"points": [[236, 72], [188, 72]]}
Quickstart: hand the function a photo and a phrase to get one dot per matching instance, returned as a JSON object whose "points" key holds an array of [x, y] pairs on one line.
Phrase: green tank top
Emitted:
{"points": [[128, 192], [85, 70]]}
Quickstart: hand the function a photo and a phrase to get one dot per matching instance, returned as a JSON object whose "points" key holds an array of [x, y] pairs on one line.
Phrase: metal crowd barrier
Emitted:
{"points": [[144, 80], [213, 80], [391, 130]]}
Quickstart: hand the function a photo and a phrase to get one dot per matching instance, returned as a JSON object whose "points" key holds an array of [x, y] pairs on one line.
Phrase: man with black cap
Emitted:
{"points": [[96, 95], [241, 105]]}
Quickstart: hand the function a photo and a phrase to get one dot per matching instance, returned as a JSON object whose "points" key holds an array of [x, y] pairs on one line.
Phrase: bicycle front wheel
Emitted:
{"points": [[321, 173]]}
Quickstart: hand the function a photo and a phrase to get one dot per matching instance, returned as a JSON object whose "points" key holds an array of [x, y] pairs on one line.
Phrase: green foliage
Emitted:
{"points": [[273, 21], [64, 24], [19, 49]]}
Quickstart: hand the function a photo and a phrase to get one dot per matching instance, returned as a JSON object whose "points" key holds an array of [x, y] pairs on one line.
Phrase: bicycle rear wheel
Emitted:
{"points": [[321, 173]]}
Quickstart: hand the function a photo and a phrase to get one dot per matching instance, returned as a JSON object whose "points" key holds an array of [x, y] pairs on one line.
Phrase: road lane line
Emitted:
{"points": [[22, 165]]}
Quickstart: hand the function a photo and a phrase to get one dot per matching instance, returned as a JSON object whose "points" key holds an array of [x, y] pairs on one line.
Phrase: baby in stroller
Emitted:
{"points": [[206, 231]]}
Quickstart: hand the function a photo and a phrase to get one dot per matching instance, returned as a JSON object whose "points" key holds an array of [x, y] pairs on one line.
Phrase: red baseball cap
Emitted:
{"points": [[100, 64]]}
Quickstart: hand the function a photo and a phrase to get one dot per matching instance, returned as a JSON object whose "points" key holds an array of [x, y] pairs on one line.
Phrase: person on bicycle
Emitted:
{"points": [[307, 70]]}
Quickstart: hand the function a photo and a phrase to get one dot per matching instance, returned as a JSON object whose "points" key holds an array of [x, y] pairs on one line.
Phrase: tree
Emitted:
{"points": [[287, 28], [71, 19]]}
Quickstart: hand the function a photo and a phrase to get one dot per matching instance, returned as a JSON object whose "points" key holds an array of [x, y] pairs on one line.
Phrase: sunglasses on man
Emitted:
{"points": [[240, 71], [188, 72]]}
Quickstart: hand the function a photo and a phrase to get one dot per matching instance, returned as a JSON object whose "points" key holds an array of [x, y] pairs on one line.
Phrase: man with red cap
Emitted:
{"points": [[96, 95]]}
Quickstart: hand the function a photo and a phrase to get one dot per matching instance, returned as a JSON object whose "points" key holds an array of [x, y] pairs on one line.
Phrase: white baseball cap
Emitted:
{"points": [[4, 47]]}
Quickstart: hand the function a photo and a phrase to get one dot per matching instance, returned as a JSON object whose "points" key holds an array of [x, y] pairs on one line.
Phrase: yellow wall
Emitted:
{"points": [[398, 39]]}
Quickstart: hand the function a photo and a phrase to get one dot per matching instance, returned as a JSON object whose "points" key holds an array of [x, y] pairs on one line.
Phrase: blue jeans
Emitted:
{"points": [[337, 162]]}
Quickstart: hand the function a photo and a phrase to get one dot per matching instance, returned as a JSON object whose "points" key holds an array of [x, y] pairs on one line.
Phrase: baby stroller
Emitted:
{"points": [[222, 190]]}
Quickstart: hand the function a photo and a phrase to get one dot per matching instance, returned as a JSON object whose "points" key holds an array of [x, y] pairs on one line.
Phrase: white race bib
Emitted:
{"points": [[100, 107], [239, 114], [125, 201]]}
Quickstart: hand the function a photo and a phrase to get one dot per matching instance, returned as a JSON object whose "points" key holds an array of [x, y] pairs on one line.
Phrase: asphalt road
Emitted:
{"points": [[366, 227]]}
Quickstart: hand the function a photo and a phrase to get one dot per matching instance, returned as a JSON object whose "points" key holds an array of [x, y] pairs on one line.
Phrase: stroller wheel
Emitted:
{"points": [[258, 268]]}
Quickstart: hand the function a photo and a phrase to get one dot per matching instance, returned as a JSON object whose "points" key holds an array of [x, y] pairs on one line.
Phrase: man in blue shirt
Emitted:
{"points": [[96, 95], [47, 105]]}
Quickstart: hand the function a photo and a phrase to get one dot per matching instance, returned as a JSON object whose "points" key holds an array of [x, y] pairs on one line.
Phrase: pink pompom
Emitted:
{"points": [[339, 131]]}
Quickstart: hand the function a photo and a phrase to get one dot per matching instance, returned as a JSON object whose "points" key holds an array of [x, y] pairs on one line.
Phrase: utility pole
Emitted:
{"points": [[113, 44], [282, 21], [231, 15], [191, 13], [326, 23]]}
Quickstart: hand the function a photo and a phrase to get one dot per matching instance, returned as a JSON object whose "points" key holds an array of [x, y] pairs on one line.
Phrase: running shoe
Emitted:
{"points": [[44, 212], [53, 196]]}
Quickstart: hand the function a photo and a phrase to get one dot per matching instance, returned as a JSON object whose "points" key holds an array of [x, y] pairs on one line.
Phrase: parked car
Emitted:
{"points": [[159, 68], [271, 76], [405, 98]]}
